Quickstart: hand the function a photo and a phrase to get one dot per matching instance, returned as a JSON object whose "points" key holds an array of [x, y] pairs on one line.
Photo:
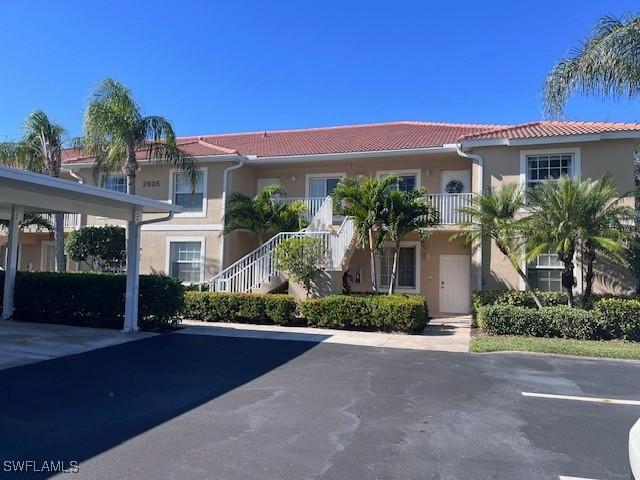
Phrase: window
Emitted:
{"points": [[407, 275], [115, 182], [185, 261], [190, 199], [545, 272], [322, 185], [548, 166], [408, 179], [48, 262], [3, 257]]}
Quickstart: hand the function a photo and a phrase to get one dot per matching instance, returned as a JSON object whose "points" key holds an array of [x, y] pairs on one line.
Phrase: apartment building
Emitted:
{"points": [[453, 161]]}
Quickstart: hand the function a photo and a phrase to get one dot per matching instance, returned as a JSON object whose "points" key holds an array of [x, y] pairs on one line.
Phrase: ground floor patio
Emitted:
{"points": [[198, 406]]}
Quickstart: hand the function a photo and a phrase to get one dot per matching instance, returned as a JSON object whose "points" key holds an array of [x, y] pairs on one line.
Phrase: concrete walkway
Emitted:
{"points": [[22, 342], [451, 334]]}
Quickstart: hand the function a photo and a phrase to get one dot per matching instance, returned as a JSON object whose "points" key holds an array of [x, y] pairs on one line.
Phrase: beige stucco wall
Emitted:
{"points": [[439, 243], [502, 165]]}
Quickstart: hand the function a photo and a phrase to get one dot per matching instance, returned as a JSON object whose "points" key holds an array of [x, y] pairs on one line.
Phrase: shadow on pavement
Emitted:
{"points": [[73, 408]]}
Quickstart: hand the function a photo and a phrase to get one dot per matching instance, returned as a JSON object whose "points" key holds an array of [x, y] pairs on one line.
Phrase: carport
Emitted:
{"points": [[26, 192]]}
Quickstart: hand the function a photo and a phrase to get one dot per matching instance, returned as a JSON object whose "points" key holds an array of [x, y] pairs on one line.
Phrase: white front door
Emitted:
{"points": [[455, 283], [456, 181]]}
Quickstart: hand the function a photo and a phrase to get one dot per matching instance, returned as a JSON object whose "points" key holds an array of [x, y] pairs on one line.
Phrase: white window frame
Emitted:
{"points": [[399, 289], [409, 171], [576, 171], [203, 245], [203, 212], [50, 243], [103, 176], [576, 164], [309, 176]]}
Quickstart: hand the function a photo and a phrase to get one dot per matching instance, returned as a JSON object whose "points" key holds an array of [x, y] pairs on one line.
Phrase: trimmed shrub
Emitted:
{"points": [[397, 313], [515, 297], [239, 307], [94, 299], [619, 318], [561, 322]]}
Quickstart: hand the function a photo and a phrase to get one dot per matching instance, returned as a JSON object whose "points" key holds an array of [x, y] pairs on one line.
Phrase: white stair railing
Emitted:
{"points": [[323, 219], [448, 204], [341, 242]]}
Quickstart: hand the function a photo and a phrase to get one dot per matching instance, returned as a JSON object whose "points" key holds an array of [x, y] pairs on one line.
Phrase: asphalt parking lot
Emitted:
{"points": [[205, 407]]}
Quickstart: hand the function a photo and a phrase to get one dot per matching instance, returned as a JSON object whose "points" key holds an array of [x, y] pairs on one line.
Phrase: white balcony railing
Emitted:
{"points": [[312, 204], [448, 204], [71, 220]]}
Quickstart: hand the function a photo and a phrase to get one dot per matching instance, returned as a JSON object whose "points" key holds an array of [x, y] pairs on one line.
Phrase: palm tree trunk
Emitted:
{"points": [[589, 256], [374, 275], [567, 276], [523, 275], [130, 169], [60, 261], [394, 269]]}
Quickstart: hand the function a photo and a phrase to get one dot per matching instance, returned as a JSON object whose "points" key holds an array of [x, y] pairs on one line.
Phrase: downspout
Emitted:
{"points": [[225, 183], [479, 162], [76, 175]]}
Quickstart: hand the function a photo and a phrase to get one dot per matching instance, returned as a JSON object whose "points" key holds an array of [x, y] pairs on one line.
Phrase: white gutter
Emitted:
{"points": [[225, 185], [479, 162]]}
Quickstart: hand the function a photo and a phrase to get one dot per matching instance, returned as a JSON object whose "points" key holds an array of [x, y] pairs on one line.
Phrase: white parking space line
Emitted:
{"points": [[611, 401], [562, 477]]}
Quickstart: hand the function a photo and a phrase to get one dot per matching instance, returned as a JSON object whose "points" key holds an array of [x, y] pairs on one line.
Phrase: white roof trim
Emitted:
{"points": [[594, 137]]}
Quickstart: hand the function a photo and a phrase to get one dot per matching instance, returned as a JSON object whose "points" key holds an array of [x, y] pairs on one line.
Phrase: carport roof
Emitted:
{"points": [[42, 194]]}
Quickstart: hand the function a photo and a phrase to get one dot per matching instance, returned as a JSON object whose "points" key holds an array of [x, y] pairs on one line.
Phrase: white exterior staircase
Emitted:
{"points": [[257, 271]]}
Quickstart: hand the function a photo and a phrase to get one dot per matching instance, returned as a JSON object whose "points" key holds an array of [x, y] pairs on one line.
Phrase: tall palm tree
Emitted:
{"points": [[40, 150], [496, 215], [570, 213], [116, 134], [263, 214], [605, 64], [364, 201], [406, 212]]}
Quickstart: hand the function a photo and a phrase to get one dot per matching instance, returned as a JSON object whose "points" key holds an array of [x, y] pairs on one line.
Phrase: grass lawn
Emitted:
{"points": [[581, 348]]}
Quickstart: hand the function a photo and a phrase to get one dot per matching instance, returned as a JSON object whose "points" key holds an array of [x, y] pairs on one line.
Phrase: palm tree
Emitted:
{"points": [[605, 64], [406, 212], [364, 201], [116, 134], [495, 216], [263, 214], [569, 213], [39, 150]]}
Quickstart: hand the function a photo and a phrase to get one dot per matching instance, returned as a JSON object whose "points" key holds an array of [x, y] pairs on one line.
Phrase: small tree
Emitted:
{"points": [[301, 258], [101, 248]]}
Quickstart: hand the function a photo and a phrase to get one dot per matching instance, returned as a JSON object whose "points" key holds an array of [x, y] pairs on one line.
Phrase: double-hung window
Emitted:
{"points": [[408, 269], [545, 272], [186, 260], [191, 199], [116, 182], [541, 167]]}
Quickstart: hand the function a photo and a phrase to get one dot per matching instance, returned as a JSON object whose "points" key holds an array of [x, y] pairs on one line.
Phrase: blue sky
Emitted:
{"points": [[232, 66]]}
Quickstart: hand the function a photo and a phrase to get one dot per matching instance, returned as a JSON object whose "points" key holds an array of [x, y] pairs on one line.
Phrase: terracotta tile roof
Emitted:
{"points": [[369, 138], [309, 141], [552, 129]]}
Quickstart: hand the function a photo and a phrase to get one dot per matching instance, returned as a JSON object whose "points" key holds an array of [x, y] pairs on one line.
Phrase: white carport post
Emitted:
{"points": [[17, 214], [133, 272]]}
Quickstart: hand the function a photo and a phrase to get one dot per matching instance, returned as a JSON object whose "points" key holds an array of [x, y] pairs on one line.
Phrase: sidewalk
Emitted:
{"points": [[450, 334]]}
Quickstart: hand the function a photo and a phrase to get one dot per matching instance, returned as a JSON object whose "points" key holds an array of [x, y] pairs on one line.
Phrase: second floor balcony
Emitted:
{"points": [[447, 204]]}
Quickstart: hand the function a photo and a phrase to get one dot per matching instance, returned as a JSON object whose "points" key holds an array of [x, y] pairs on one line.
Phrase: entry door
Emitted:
{"points": [[455, 283], [456, 181]]}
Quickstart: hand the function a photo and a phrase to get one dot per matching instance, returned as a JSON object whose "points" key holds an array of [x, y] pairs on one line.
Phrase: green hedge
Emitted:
{"points": [[387, 313], [515, 297], [563, 322], [240, 307], [609, 319], [399, 313], [619, 318], [94, 299]]}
